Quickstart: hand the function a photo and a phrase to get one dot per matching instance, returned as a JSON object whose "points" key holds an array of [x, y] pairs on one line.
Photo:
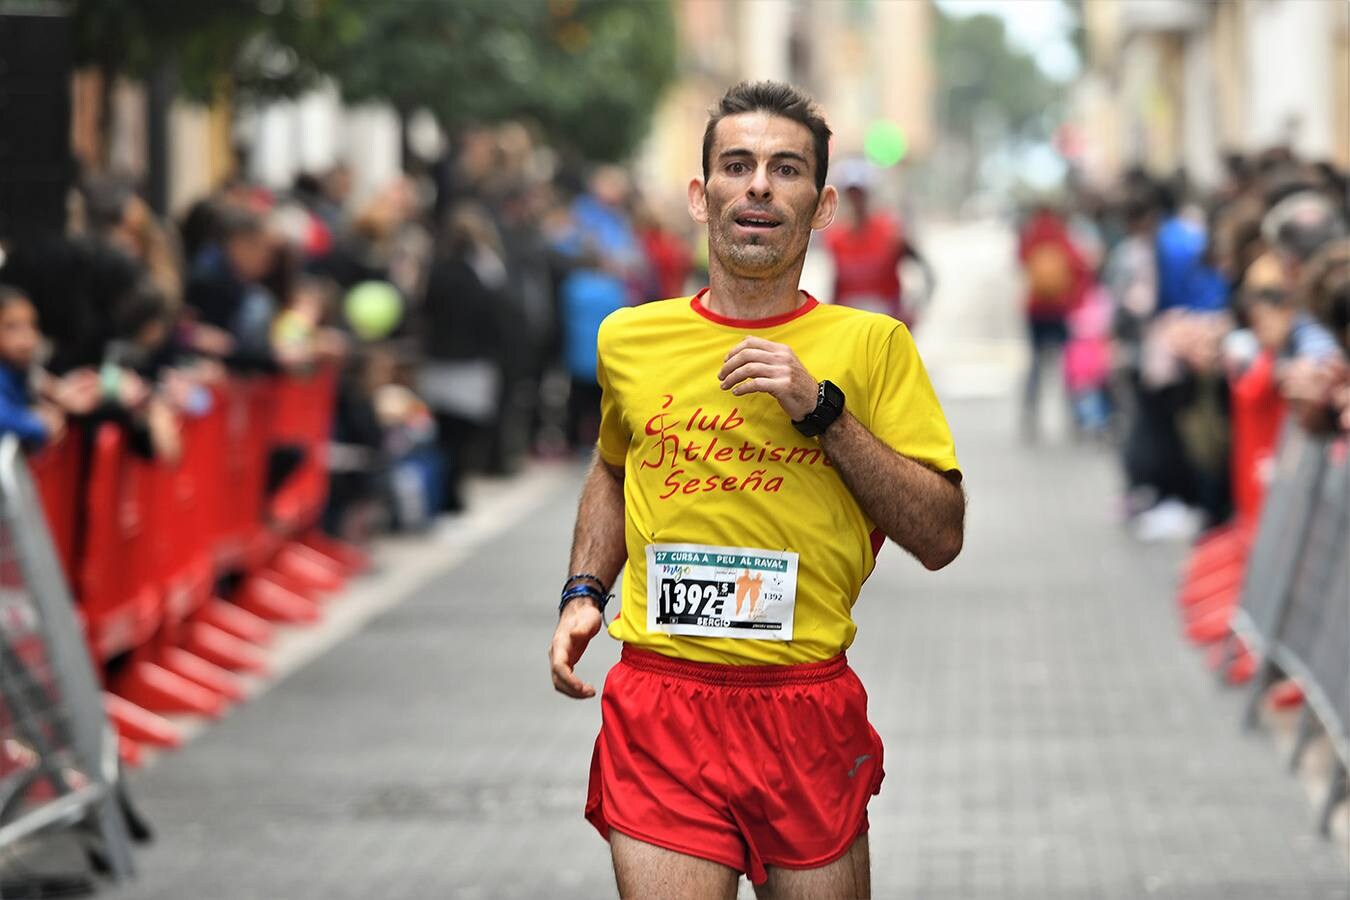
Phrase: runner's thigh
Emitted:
{"points": [[847, 878], [647, 872]]}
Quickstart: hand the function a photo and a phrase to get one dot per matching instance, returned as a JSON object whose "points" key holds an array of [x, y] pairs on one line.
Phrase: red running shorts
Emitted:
{"points": [[748, 766]]}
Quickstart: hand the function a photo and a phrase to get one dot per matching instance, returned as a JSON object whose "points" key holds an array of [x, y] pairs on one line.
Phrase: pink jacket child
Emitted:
{"points": [[1087, 356]]}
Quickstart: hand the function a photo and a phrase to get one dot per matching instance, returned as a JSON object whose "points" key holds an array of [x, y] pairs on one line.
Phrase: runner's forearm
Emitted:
{"points": [[598, 539], [921, 510]]}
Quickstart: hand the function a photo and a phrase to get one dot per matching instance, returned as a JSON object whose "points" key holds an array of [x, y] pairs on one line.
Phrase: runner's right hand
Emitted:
{"points": [[580, 621]]}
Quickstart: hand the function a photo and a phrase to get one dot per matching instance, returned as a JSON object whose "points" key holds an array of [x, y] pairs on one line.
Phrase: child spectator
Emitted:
{"points": [[135, 359], [300, 337], [226, 289], [1087, 362], [35, 423], [412, 454]]}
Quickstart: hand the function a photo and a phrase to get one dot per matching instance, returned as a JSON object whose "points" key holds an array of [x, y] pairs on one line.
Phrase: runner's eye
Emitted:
{"points": [[787, 170], [736, 168]]}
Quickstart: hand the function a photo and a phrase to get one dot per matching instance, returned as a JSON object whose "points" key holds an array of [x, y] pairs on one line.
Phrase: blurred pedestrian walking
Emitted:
{"points": [[1056, 281]]}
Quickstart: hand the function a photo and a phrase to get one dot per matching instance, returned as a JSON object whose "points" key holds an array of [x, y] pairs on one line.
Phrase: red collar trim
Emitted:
{"points": [[696, 302]]}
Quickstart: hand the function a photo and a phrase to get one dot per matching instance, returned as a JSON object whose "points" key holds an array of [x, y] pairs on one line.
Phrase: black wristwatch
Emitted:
{"points": [[829, 406]]}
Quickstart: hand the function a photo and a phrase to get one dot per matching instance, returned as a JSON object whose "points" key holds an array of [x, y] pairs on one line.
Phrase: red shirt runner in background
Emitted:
{"points": [[867, 265]]}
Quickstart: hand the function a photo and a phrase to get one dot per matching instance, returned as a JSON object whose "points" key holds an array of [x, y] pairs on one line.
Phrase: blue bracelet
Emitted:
{"points": [[583, 590], [588, 591]]}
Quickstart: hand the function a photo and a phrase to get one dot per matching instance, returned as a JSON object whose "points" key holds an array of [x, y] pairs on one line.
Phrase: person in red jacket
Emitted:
{"points": [[1057, 278]]}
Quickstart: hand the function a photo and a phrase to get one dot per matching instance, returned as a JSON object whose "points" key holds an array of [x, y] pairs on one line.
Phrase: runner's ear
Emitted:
{"points": [[698, 201], [826, 206]]}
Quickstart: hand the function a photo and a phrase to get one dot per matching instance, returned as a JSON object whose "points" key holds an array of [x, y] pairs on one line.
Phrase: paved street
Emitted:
{"points": [[1048, 734]]}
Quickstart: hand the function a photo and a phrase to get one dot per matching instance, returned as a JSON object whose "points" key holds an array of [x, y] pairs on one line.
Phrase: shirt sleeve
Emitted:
{"points": [[22, 422], [614, 434], [903, 410], [1311, 340]]}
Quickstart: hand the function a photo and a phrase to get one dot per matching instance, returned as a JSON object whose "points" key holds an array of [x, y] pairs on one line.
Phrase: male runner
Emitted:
{"points": [[868, 246], [755, 449]]}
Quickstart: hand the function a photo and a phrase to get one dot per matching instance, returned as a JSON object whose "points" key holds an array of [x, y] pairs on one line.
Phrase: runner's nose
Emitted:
{"points": [[759, 188]]}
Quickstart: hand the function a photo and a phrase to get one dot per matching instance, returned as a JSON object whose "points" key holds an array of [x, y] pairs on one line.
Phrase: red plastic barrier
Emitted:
{"points": [[156, 537], [1258, 413], [117, 590], [302, 414], [183, 521], [243, 473], [56, 474], [1212, 583]]}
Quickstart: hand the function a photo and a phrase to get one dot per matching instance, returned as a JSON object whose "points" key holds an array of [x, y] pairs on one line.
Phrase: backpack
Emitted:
{"points": [[1049, 273]]}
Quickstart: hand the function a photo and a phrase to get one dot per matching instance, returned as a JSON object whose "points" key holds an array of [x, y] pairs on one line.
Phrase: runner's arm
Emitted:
{"points": [[597, 548], [921, 510], [909, 251]]}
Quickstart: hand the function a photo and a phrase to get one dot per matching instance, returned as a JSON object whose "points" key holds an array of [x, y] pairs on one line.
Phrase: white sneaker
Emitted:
{"points": [[1170, 520]]}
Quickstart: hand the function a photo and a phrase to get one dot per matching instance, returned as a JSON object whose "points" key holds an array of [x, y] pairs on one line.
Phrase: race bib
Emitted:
{"points": [[726, 592]]}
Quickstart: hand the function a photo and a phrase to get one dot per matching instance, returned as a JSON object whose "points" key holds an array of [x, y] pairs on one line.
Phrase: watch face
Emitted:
{"points": [[831, 395], [829, 406]]}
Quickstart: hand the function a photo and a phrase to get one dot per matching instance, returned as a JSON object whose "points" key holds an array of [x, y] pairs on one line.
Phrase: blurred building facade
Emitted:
{"points": [[109, 128], [110, 124], [1176, 83], [863, 61]]}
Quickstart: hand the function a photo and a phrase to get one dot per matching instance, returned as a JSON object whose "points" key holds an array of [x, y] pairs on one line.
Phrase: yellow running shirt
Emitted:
{"points": [[704, 467]]}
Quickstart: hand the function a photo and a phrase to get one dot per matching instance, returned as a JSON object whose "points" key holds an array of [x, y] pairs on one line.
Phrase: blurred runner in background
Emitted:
{"points": [[868, 245]]}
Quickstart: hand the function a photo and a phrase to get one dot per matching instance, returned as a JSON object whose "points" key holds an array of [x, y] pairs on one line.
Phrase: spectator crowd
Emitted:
{"points": [[1190, 327], [459, 302]]}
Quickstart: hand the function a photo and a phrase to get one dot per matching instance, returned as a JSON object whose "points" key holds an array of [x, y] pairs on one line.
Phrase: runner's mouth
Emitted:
{"points": [[757, 222]]}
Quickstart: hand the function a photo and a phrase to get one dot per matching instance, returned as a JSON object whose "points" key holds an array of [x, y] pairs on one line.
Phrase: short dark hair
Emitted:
{"points": [[234, 221], [105, 202], [10, 295], [144, 305], [779, 99]]}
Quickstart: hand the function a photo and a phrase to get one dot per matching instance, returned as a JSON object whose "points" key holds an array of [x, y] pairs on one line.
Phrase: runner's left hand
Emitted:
{"points": [[759, 366], [579, 622]]}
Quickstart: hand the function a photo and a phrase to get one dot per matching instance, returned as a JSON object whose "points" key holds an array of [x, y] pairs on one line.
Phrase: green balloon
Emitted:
{"points": [[885, 144], [373, 309]]}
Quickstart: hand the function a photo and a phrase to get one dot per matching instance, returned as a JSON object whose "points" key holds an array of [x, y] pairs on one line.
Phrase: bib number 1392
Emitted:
{"points": [[692, 598], [742, 593]]}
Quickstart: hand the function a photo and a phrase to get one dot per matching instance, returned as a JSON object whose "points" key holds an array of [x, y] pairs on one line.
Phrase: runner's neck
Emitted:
{"points": [[743, 298]]}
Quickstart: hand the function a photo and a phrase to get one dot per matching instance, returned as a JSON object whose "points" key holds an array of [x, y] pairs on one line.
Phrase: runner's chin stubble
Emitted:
{"points": [[757, 254]]}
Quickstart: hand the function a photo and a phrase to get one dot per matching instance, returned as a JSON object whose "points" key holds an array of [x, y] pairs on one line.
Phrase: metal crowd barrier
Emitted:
{"points": [[1295, 605], [1280, 535], [58, 756]]}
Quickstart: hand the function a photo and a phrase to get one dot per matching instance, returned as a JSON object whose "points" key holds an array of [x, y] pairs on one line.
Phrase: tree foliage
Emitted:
{"points": [[982, 77], [589, 72], [208, 43]]}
